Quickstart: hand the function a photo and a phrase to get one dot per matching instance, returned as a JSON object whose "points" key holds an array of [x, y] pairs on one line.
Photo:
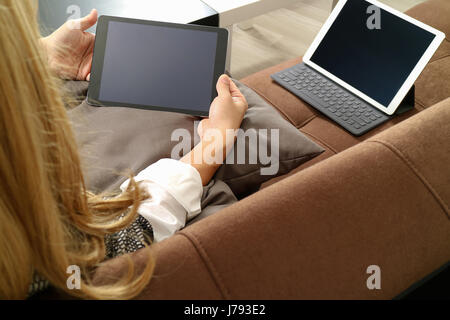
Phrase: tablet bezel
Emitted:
{"points": [[99, 53], [398, 98]]}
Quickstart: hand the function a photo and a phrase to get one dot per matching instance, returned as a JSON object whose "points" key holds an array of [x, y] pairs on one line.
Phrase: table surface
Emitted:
{"points": [[53, 13], [227, 5], [236, 11]]}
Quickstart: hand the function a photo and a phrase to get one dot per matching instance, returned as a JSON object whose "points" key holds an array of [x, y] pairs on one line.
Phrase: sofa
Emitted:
{"points": [[377, 200]]}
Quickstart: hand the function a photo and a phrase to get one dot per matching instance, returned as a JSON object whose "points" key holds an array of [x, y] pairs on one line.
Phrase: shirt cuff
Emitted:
{"points": [[179, 179]]}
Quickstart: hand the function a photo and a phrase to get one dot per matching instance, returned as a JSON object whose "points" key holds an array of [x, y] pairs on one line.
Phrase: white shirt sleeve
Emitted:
{"points": [[175, 190]]}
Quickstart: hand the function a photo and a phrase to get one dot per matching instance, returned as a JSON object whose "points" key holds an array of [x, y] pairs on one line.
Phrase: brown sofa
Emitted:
{"points": [[381, 199]]}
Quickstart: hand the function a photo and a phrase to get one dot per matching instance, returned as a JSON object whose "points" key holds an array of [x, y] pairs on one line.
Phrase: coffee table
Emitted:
{"points": [[53, 13]]}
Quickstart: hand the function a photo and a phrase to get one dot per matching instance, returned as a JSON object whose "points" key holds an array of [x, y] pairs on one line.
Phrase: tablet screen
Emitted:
{"points": [[374, 61], [158, 66]]}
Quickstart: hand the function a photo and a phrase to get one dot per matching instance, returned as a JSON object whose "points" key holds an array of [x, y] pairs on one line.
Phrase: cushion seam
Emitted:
{"points": [[304, 123], [419, 175], [208, 263], [319, 140], [420, 103]]}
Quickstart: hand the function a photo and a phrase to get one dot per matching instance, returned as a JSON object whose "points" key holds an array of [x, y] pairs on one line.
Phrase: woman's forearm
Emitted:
{"points": [[209, 155], [207, 171]]}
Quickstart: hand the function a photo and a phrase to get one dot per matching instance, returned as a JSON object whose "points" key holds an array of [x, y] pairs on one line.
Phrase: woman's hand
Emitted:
{"points": [[226, 113], [70, 48], [227, 110]]}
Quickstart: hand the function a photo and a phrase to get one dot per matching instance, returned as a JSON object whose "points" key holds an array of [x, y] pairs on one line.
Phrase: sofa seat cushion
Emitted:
{"points": [[433, 85], [435, 13]]}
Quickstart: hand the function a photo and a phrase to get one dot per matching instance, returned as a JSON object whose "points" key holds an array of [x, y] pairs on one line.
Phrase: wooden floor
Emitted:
{"points": [[284, 34]]}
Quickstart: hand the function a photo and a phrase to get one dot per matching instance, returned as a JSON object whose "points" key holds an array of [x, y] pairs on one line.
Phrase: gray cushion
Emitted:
{"points": [[114, 140], [294, 147]]}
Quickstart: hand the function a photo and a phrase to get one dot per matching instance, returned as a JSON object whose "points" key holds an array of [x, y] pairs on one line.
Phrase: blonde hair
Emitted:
{"points": [[48, 221]]}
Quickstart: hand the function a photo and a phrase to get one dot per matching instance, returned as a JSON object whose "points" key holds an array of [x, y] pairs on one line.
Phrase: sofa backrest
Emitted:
{"points": [[433, 84]]}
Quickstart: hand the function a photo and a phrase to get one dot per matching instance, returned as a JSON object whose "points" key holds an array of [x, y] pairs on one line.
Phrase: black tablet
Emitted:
{"points": [[156, 65]]}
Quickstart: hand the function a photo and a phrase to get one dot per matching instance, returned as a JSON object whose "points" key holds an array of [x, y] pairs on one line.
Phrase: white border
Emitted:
{"points": [[390, 109]]}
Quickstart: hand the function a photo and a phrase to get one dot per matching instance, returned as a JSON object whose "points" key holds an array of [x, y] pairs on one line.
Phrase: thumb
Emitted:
{"points": [[223, 86], [86, 22]]}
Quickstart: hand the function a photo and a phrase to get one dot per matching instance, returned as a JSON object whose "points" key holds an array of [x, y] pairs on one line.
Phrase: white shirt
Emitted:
{"points": [[175, 190]]}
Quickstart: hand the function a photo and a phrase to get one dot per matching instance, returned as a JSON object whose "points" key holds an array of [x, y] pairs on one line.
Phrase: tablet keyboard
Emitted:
{"points": [[337, 103]]}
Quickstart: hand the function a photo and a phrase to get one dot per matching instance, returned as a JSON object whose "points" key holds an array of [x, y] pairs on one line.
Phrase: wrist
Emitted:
{"points": [[219, 136]]}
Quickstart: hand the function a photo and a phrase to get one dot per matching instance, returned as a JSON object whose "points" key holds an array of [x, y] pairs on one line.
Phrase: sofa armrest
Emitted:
{"points": [[384, 202]]}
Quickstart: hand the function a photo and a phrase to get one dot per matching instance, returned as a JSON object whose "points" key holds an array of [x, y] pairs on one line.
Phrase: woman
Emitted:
{"points": [[48, 220]]}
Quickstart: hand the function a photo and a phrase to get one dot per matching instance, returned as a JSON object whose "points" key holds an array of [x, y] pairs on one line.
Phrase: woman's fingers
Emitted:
{"points": [[227, 88], [238, 98], [236, 94]]}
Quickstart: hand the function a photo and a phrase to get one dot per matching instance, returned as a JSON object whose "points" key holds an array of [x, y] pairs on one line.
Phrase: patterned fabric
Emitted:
{"points": [[39, 284], [129, 240]]}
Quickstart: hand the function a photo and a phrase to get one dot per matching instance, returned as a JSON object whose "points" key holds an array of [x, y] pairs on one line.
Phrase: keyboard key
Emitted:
{"points": [[290, 76], [358, 121], [366, 120]]}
